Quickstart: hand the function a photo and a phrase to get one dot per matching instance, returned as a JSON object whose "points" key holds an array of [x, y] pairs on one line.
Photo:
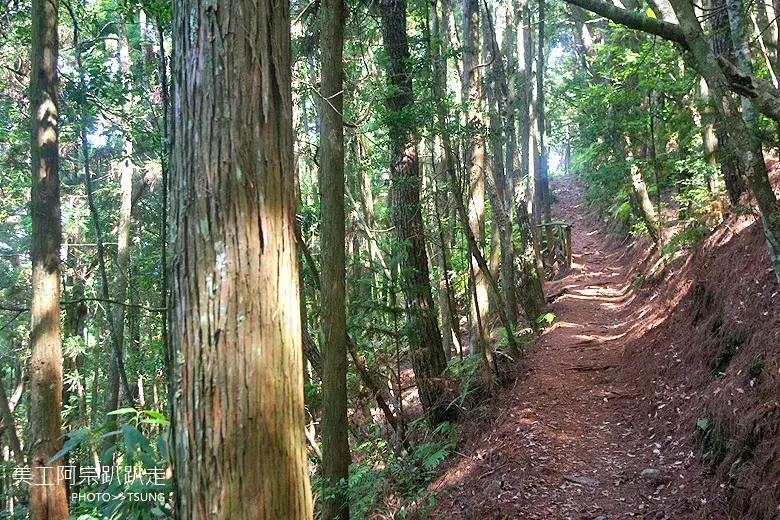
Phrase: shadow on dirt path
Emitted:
{"points": [[566, 441]]}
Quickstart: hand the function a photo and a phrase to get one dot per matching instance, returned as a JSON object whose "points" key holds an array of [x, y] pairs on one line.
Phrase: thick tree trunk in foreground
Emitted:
{"points": [[240, 451], [335, 443], [48, 500], [428, 360]]}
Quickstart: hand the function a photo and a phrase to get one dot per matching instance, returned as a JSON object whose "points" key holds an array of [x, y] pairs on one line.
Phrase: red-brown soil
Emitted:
{"points": [[592, 402]]}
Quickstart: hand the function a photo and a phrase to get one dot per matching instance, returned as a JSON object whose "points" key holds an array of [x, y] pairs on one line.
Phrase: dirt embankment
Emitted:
{"points": [[713, 366], [654, 395]]}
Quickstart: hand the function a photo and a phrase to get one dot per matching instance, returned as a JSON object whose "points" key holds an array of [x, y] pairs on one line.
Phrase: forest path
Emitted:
{"points": [[573, 415]]}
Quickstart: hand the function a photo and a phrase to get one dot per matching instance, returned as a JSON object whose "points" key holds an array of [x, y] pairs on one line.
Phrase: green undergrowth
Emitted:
{"points": [[390, 478], [388, 481]]}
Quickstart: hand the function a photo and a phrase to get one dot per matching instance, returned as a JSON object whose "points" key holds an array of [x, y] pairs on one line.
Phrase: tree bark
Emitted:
{"points": [[164, 168], [440, 31], [9, 425], [544, 196], [528, 133], [47, 502], [531, 292], [475, 164], [422, 328], [335, 442], [647, 211], [240, 449], [723, 47], [496, 92], [708, 138], [125, 168]]}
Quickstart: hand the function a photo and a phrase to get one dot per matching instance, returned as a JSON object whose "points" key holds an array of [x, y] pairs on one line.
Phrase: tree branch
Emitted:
{"points": [[764, 96], [634, 20], [11, 308]]}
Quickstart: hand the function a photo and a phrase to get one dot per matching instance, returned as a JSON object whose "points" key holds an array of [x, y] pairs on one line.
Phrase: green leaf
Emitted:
{"points": [[156, 418], [164, 422], [122, 411], [703, 424], [134, 439], [75, 438], [546, 318]]}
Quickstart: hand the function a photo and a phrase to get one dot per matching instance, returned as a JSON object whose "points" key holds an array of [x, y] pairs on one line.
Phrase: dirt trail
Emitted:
{"points": [[573, 416]]}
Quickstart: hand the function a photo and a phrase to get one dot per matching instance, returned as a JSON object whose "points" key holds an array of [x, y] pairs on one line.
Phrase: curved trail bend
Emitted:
{"points": [[567, 440]]}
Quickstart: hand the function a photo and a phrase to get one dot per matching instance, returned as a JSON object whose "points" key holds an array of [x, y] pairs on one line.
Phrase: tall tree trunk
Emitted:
{"points": [[422, 328], [531, 293], [164, 168], [440, 30], [544, 196], [240, 450], [125, 168], [722, 46], [475, 164], [543, 183], [115, 362], [47, 502], [501, 202], [527, 130], [335, 442]]}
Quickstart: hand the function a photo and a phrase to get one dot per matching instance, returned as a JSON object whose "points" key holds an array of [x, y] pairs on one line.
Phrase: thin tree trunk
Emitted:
{"points": [[709, 140], [450, 332], [335, 430], [531, 292], [497, 184], [9, 425], [479, 338], [116, 368], [543, 185], [123, 228], [47, 502], [164, 168], [646, 208], [240, 449], [527, 132], [485, 268]]}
